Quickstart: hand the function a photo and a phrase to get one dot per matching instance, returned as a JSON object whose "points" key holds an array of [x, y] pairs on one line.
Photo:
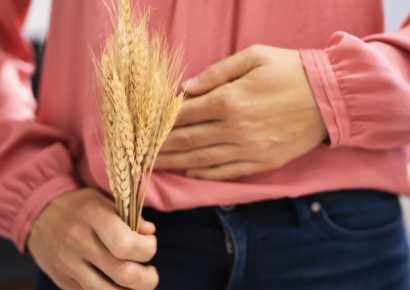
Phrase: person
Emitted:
{"points": [[282, 172]]}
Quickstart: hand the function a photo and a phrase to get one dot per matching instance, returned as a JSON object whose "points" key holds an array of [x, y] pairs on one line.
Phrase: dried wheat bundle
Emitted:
{"points": [[138, 78]]}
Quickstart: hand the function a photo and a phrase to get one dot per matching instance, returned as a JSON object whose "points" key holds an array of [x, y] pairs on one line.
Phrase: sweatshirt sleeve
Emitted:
{"points": [[362, 87], [35, 159]]}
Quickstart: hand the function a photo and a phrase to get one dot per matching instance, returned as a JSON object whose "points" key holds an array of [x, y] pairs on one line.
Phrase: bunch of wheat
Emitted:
{"points": [[138, 79]]}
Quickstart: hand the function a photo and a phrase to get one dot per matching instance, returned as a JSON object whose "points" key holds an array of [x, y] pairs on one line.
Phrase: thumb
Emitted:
{"points": [[224, 71]]}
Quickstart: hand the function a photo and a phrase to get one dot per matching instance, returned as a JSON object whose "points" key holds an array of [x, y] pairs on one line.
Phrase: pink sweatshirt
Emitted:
{"points": [[360, 77]]}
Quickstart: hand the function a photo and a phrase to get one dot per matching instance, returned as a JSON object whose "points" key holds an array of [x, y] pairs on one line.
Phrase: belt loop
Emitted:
{"points": [[302, 210]]}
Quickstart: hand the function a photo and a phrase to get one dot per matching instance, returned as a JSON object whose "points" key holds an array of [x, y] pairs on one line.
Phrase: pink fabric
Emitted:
{"points": [[360, 77]]}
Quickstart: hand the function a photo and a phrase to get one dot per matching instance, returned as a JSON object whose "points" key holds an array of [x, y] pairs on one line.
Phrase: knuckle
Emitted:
{"points": [[123, 246], [254, 50], [183, 141], [75, 236], [126, 274], [150, 250], [228, 104], [88, 208], [213, 72], [202, 158]]}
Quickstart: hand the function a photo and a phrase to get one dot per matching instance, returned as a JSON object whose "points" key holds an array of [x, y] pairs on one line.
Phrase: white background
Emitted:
{"points": [[38, 20]]}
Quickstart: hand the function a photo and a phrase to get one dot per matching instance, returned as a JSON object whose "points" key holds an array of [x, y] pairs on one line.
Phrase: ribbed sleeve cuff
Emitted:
{"points": [[35, 204], [328, 95]]}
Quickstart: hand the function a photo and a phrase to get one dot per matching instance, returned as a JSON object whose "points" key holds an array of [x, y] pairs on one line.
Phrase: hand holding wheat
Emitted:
{"points": [[138, 79], [80, 232]]}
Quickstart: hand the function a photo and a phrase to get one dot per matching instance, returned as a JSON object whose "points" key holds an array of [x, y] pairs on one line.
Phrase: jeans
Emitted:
{"points": [[340, 240]]}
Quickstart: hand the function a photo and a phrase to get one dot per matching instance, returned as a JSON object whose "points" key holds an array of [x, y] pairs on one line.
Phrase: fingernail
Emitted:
{"points": [[190, 83]]}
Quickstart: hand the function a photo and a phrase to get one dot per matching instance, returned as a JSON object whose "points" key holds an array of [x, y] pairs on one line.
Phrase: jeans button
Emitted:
{"points": [[315, 207], [227, 207]]}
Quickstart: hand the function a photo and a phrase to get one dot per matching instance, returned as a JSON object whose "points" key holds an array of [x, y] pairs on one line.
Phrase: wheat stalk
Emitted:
{"points": [[139, 78], [167, 123]]}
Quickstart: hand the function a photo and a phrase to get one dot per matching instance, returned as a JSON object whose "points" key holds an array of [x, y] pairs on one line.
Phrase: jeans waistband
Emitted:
{"points": [[303, 206]]}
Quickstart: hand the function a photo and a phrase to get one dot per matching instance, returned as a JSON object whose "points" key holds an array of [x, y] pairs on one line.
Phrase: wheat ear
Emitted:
{"points": [[123, 138], [161, 89], [122, 172], [138, 78], [108, 127], [124, 42]]}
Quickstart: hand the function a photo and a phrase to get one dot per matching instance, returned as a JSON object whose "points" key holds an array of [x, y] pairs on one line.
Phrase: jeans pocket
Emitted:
{"points": [[358, 218]]}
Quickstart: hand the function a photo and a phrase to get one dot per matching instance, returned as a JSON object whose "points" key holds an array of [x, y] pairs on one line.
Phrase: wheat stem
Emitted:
{"points": [[132, 202], [143, 196], [138, 201], [167, 123]]}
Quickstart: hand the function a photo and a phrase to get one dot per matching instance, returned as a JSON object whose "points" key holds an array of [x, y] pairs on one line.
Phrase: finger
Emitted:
{"points": [[124, 273], [119, 239], [224, 71], [67, 283], [198, 110], [191, 137], [146, 228], [89, 278], [72, 285], [198, 158], [228, 171]]}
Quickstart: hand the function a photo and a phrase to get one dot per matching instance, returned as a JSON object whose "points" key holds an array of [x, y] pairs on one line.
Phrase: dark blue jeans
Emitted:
{"points": [[343, 240]]}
